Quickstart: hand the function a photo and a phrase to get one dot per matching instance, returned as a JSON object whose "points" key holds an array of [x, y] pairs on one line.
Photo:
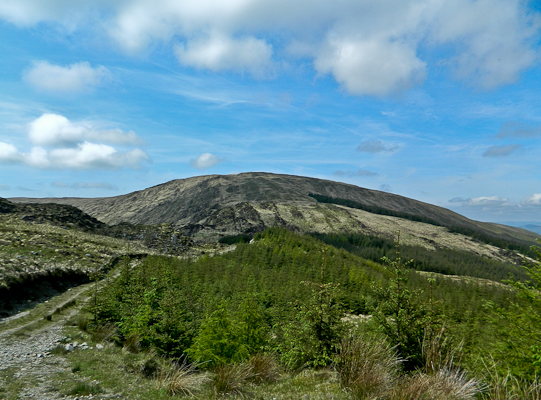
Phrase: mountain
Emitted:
{"points": [[210, 207]]}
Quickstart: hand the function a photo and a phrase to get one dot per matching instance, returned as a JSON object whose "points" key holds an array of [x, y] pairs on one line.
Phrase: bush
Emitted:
{"points": [[224, 338], [310, 339]]}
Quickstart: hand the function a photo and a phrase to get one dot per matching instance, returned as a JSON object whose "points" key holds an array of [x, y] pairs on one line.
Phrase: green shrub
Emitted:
{"points": [[224, 338], [311, 337]]}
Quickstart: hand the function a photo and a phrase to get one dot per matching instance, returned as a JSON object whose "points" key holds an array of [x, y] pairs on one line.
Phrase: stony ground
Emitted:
{"points": [[30, 366]]}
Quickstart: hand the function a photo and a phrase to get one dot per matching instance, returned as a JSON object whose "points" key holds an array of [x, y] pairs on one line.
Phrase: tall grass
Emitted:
{"points": [[231, 379], [443, 385], [180, 378], [264, 368], [369, 369], [509, 387], [367, 366]]}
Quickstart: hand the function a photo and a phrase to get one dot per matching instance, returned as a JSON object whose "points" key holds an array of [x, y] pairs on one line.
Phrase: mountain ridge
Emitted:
{"points": [[212, 206]]}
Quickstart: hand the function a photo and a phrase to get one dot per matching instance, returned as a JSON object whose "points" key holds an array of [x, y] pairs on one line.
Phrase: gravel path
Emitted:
{"points": [[26, 362], [32, 362]]}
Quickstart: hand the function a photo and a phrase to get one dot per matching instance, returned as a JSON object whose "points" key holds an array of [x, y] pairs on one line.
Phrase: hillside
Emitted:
{"points": [[210, 207]]}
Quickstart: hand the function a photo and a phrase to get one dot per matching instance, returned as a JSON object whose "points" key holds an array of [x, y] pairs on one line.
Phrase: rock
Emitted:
{"points": [[99, 346], [69, 347]]}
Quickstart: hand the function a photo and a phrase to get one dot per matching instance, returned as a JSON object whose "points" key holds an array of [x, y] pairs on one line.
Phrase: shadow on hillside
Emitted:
{"points": [[25, 295]]}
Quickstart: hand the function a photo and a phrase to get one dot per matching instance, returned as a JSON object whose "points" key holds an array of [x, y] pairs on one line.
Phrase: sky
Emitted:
{"points": [[436, 100]]}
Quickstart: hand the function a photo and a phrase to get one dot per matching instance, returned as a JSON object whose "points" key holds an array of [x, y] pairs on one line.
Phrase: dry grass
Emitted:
{"points": [[511, 388], [231, 379], [104, 333], [132, 343], [439, 352], [180, 378], [264, 368], [367, 367], [443, 385]]}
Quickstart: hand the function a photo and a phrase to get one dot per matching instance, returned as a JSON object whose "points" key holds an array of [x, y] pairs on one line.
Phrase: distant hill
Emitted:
{"points": [[532, 228], [210, 207]]}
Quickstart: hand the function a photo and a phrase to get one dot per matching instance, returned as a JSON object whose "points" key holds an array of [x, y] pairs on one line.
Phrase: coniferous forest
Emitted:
{"points": [[314, 301]]}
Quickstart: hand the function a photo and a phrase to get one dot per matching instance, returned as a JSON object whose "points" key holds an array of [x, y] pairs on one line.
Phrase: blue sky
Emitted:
{"points": [[437, 100]]}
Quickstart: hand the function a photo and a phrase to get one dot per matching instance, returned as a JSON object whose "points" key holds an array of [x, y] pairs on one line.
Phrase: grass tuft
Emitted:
{"points": [[180, 378], [264, 368], [104, 333], [511, 388], [85, 389], [443, 385], [367, 367], [231, 379], [82, 322], [132, 343]]}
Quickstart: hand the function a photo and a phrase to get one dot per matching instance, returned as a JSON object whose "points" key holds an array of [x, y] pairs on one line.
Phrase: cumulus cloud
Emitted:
{"points": [[500, 151], [533, 200], [377, 146], [495, 207], [368, 47], [54, 129], [206, 160], [9, 153], [84, 185], [370, 66], [518, 130], [85, 156], [482, 201], [61, 144], [488, 201], [74, 78], [218, 52], [495, 38]]}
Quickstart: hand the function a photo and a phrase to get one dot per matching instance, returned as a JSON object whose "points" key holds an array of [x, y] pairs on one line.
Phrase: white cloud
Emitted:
{"points": [[74, 78], [369, 47], [85, 156], [488, 201], [9, 153], [494, 38], [533, 200], [205, 160], [218, 52], [61, 144], [482, 201], [54, 129], [370, 66]]}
